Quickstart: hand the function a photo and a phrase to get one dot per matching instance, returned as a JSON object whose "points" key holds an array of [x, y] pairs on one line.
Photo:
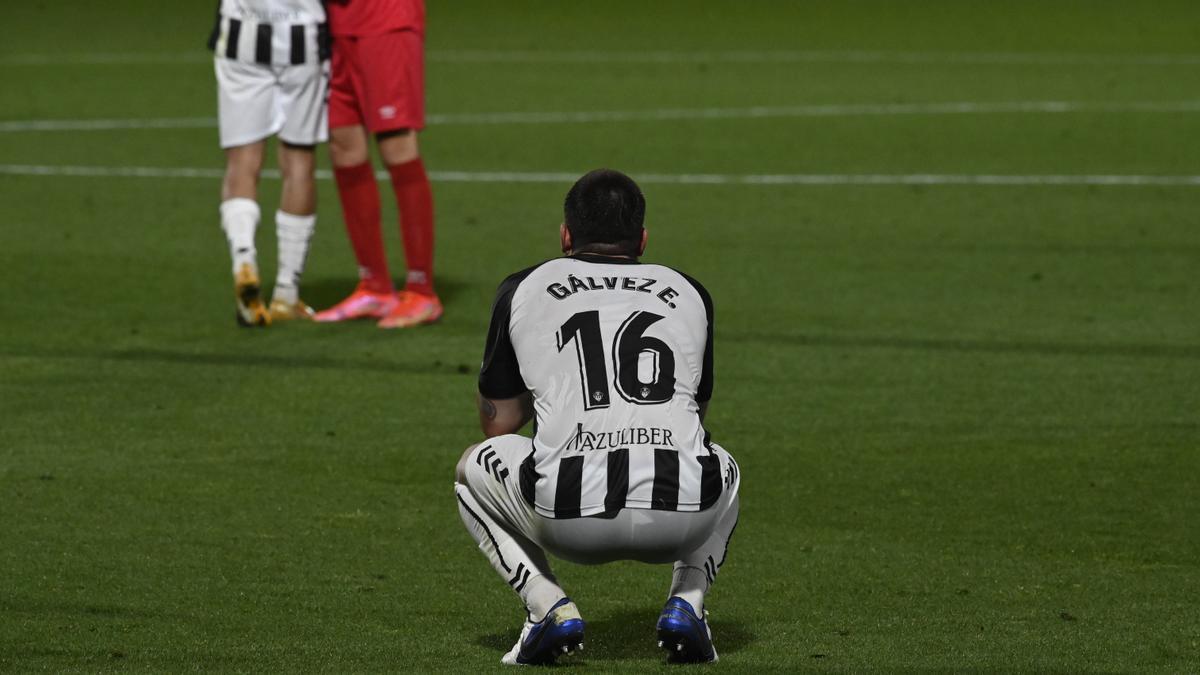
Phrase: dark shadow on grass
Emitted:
{"points": [[94, 610], [1032, 348], [18, 654], [498, 642], [290, 362], [323, 292], [245, 360], [629, 634]]}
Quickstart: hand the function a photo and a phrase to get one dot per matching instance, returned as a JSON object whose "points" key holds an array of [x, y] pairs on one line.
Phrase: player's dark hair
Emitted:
{"points": [[604, 211]]}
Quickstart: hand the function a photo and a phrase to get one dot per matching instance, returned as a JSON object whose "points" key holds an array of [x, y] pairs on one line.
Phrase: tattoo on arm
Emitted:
{"points": [[487, 408]]}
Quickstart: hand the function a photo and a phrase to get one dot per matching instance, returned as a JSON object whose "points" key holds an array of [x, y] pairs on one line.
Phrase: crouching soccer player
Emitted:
{"points": [[272, 80], [614, 359]]}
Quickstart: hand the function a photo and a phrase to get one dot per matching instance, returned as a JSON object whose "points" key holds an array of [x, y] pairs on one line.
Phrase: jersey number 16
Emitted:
{"points": [[628, 345]]}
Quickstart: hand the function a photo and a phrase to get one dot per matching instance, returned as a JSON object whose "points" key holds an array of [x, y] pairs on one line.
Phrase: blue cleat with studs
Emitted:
{"points": [[560, 633], [684, 635]]}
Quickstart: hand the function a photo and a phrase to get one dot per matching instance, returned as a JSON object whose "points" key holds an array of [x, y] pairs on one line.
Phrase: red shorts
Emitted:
{"points": [[378, 82]]}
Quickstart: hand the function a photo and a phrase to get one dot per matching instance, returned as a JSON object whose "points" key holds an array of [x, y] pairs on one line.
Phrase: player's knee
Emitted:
{"points": [[348, 146], [296, 162], [460, 471], [244, 159], [241, 179], [348, 155], [398, 146]]}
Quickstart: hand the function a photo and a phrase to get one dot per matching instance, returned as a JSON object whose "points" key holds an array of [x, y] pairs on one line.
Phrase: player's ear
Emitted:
{"points": [[564, 238], [642, 246]]}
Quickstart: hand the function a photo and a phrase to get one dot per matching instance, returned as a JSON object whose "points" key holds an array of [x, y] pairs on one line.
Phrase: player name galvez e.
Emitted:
{"points": [[621, 438], [573, 284]]}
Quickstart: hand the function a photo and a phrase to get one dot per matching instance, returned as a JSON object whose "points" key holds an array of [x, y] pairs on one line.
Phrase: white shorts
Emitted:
{"points": [[651, 536], [255, 102]]}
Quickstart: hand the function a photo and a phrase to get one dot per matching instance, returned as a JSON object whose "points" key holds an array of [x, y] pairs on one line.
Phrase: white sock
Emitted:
{"points": [[293, 232], [239, 219], [690, 583], [541, 594]]}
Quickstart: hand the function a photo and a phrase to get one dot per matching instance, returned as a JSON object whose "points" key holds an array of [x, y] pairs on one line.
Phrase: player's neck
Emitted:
{"points": [[616, 256]]}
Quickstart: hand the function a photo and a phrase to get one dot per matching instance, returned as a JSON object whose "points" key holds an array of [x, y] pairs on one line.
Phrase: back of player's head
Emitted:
{"points": [[604, 211]]}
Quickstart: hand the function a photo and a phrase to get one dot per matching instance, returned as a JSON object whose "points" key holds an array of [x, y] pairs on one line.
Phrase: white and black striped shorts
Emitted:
{"points": [[647, 535]]}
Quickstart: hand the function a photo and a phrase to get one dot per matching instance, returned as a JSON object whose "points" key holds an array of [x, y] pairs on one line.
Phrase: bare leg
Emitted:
{"points": [[296, 164], [240, 214], [243, 164], [398, 147], [239, 206], [295, 222], [348, 146]]}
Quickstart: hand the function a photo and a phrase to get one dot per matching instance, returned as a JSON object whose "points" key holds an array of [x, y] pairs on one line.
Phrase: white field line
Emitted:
{"points": [[653, 178], [584, 56], [670, 114], [18, 126], [107, 58], [793, 56], [819, 110]]}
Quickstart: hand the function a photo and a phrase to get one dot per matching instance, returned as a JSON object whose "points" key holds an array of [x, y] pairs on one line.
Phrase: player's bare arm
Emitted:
{"points": [[498, 417], [504, 416]]}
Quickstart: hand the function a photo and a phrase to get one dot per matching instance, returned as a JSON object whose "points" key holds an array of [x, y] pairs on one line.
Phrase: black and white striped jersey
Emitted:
{"points": [[618, 355], [271, 32]]}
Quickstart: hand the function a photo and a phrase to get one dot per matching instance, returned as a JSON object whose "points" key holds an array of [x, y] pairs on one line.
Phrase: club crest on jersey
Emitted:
{"points": [[645, 391], [597, 396]]}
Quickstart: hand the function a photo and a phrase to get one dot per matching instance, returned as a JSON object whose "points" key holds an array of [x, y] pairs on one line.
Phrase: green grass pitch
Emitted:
{"points": [[967, 415]]}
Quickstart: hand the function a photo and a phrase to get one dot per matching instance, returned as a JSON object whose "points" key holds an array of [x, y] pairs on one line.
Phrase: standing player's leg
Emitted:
{"points": [[239, 219], [414, 200], [358, 191], [392, 78], [247, 101], [301, 104], [294, 224], [501, 523]]}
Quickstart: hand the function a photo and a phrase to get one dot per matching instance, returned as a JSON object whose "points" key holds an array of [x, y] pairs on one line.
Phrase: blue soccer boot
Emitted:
{"points": [[560, 633], [684, 635]]}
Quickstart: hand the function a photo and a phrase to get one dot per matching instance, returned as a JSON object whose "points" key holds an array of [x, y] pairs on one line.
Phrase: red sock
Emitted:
{"points": [[415, 202], [360, 208]]}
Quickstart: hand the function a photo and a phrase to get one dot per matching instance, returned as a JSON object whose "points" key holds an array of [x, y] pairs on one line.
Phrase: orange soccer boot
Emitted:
{"points": [[248, 295], [412, 309], [361, 304]]}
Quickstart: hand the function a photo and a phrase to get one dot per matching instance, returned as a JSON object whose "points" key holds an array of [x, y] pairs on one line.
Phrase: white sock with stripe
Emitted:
{"points": [[294, 233], [697, 571], [522, 564], [239, 219], [690, 583]]}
